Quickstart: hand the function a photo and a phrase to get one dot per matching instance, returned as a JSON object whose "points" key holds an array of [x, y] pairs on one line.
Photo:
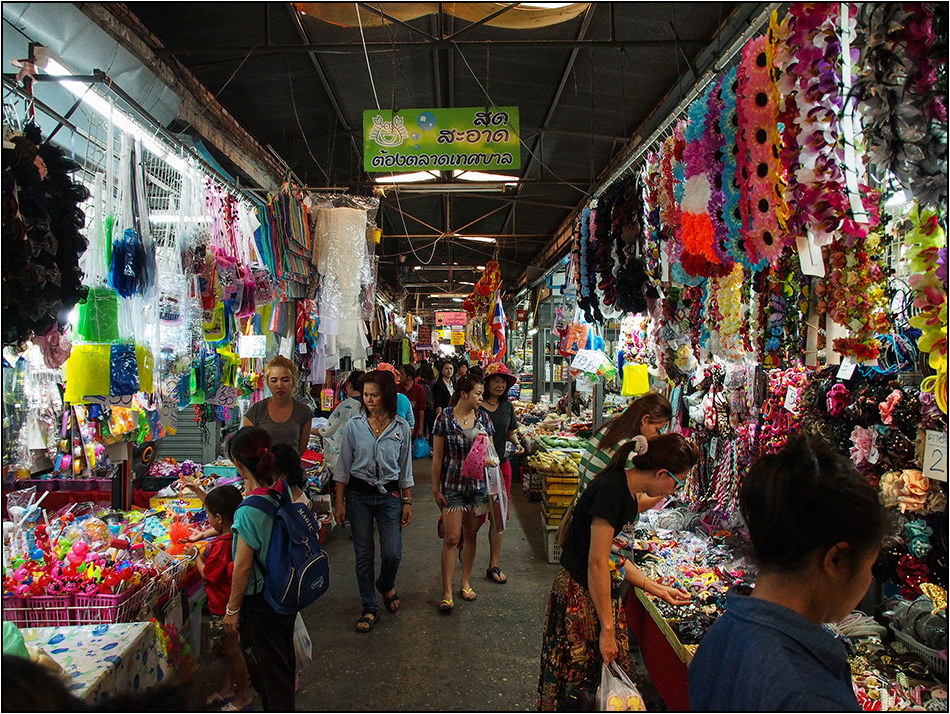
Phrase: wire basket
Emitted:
{"points": [[97, 609], [935, 662], [49, 610]]}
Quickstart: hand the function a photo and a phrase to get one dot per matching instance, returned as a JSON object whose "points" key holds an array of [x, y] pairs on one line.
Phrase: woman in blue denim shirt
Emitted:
{"points": [[816, 525], [373, 482], [462, 499]]}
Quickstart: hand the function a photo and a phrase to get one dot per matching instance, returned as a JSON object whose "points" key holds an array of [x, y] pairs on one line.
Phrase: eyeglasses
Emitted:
{"points": [[673, 476]]}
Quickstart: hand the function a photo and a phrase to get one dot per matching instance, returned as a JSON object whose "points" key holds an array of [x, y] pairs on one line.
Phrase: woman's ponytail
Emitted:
{"points": [[250, 447]]}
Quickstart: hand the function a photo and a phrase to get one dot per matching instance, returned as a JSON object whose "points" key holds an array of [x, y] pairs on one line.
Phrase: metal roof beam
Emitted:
{"points": [[565, 76], [378, 11], [240, 51], [325, 82], [483, 20]]}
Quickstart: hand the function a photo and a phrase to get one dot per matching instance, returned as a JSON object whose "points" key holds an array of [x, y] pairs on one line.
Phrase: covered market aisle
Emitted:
{"points": [[667, 282]]}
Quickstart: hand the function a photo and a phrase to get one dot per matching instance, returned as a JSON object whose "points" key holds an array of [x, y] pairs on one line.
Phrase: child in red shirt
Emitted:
{"points": [[216, 567]]}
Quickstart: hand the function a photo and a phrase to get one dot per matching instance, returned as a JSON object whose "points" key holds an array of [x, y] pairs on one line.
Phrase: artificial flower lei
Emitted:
{"points": [[927, 252], [811, 55], [726, 315], [763, 208], [854, 292], [702, 198], [905, 112]]}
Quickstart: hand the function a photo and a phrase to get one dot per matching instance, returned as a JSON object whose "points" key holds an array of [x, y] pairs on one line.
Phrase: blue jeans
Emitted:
{"points": [[361, 511]]}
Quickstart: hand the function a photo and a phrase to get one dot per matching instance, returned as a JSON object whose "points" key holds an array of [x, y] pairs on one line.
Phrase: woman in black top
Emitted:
{"points": [[444, 387], [585, 618], [502, 414]]}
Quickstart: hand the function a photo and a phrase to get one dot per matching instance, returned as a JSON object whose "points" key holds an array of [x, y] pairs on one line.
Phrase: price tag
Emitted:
{"points": [[302, 348], [458, 337], [935, 456], [252, 346], [713, 448], [846, 370], [791, 399]]}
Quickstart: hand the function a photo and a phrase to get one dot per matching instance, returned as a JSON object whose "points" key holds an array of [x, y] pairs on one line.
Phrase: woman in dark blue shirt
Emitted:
{"points": [[816, 525]]}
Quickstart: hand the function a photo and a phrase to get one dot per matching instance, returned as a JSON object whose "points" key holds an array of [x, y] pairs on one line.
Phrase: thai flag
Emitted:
{"points": [[498, 325]]}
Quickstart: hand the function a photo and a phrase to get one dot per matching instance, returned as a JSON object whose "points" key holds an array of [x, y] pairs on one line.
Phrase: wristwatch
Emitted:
{"points": [[406, 501]]}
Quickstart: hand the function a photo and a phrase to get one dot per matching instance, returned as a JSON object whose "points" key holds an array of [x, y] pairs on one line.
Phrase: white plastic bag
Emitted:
{"points": [[303, 648], [616, 692]]}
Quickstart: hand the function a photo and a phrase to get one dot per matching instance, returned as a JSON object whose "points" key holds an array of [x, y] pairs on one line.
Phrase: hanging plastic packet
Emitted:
{"points": [[99, 315], [123, 370], [128, 262]]}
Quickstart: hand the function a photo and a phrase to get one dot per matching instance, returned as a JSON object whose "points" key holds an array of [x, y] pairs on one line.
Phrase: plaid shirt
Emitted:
{"points": [[457, 448]]}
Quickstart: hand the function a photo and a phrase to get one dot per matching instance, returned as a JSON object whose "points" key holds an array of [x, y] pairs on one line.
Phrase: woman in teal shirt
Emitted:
{"points": [[267, 637]]}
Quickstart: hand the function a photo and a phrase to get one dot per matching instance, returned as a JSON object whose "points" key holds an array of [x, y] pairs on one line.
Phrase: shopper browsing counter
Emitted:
{"points": [[816, 525], [585, 617]]}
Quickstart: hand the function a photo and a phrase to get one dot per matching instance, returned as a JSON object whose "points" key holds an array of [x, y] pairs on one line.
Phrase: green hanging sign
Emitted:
{"points": [[469, 139]]}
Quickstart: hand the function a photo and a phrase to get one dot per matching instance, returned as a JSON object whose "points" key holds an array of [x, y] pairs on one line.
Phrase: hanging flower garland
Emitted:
{"points": [[701, 169], [726, 315], [927, 252], [782, 338], [588, 301], [676, 146], [902, 92], [606, 239], [638, 269], [854, 293], [813, 78], [764, 211]]}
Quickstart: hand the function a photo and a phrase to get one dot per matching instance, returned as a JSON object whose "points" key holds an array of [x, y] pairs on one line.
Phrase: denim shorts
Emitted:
{"points": [[475, 501]]}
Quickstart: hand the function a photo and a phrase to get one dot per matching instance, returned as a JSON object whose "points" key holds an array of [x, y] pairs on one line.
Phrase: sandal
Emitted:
{"points": [[468, 594], [229, 707], [218, 698], [369, 619], [445, 607], [496, 575], [391, 601]]}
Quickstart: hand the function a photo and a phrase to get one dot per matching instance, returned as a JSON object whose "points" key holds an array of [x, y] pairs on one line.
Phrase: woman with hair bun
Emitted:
{"points": [[816, 526], [267, 637], [283, 417], [585, 619]]}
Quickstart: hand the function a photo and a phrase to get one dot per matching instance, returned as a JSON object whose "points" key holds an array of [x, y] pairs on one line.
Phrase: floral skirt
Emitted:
{"points": [[570, 650]]}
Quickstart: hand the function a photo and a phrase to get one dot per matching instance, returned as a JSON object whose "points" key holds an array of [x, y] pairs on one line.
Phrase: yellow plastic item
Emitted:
{"points": [[636, 380], [87, 372], [146, 363]]}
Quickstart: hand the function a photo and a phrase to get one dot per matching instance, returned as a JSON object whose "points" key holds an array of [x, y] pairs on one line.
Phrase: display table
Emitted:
{"points": [[665, 658], [57, 499], [104, 661]]}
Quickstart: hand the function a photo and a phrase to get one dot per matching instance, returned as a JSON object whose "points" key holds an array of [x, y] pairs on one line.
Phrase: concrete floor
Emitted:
{"points": [[483, 657]]}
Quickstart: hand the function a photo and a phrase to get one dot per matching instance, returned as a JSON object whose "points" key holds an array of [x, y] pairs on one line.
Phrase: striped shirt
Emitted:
{"points": [[596, 457], [457, 446]]}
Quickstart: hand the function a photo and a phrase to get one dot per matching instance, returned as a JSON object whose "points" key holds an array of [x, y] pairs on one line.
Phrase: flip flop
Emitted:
{"points": [[218, 698], [445, 607], [369, 621], [468, 594], [495, 575], [229, 707]]}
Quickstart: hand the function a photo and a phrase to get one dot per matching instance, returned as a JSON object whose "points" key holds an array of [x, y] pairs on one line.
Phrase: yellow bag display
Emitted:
{"points": [[87, 372], [636, 380]]}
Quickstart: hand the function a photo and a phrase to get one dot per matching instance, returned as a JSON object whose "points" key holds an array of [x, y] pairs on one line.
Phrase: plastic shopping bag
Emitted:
{"points": [[420, 448], [497, 495], [303, 648], [474, 465], [616, 692]]}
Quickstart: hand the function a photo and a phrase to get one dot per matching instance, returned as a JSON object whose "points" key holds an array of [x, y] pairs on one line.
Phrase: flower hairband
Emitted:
{"points": [[918, 535], [639, 449], [838, 398]]}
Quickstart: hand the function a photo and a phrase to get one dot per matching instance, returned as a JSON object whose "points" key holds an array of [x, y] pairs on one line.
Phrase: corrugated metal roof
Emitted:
{"points": [[308, 106]]}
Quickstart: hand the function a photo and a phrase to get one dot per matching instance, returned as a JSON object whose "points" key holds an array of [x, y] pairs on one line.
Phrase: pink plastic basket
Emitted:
{"points": [[95, 609], [49, 610], [13, 610]]}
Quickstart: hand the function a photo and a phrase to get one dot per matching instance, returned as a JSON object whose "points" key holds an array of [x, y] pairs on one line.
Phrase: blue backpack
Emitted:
{"points": [[297, 571]]}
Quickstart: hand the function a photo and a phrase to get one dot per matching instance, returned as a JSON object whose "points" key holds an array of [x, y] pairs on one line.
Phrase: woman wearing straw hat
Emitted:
{"points": [[498, 380]]}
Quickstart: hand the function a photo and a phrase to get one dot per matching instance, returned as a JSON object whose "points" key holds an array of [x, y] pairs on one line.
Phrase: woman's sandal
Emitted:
{"points": [[369, 619], [218, 698], [445, 607], [468, 594], [496, 575]]}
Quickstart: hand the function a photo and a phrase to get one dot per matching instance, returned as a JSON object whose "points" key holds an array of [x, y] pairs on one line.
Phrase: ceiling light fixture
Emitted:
{"points": [[451, 187], [479, 176], [106, 109], [448, 295], [407, 178], [475, 239]]}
